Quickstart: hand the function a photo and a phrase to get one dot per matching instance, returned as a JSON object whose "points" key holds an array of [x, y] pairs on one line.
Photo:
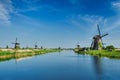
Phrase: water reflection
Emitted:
{"points": [[23, 58], [97, 63], [65, 65]]}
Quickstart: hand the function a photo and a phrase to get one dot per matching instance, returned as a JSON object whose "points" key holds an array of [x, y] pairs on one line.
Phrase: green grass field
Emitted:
{"points": [[102, 53], [7, 55]]}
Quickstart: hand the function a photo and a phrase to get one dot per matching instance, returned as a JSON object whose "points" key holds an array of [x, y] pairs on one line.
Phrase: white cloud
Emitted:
{"points": [[91, 19], [5, 10], [86, 22], [113, 22], [116, 5]]}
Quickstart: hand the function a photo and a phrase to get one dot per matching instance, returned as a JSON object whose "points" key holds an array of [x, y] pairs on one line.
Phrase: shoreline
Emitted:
{"points": [[8, 54], [114, 54]]}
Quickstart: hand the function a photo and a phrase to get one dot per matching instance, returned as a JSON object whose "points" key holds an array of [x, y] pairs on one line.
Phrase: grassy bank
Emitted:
{"points": [[103, 53], [16, 54]]}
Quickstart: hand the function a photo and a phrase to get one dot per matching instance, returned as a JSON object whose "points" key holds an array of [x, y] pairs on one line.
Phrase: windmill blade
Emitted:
{"points": [[92, 44], [13, 43], [104, 43], [35, 43], [98, 30], [104, 35], [16, 40]]}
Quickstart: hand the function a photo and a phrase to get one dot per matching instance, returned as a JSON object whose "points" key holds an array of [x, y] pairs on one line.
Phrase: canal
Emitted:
{"points": [[65, 65]]}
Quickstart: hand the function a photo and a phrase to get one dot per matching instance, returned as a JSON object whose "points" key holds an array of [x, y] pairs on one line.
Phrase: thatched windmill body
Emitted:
{"points": [[97, 42], [17, 45]]}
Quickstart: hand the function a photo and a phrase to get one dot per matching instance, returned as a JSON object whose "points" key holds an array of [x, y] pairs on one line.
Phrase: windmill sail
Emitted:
{"points": [[104, 35], [98, 30]]}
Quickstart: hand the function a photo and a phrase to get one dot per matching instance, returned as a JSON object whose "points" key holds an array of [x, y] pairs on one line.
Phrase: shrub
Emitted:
{"points": [[110, 47]]}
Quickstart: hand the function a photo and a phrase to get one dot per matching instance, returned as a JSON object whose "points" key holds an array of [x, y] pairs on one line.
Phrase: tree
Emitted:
{"points": [[110, 47]]}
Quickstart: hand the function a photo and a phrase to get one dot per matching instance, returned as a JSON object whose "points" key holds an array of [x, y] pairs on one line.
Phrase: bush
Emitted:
{"points": [[110, 47]]}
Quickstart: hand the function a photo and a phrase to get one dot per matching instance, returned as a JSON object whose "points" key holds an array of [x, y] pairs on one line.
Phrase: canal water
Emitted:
{"points": [[65, 65]]}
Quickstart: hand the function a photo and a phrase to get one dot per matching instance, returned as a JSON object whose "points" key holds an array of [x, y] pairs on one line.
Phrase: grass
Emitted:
{"points": [[42, 51], [7, 55], [103, 53]]}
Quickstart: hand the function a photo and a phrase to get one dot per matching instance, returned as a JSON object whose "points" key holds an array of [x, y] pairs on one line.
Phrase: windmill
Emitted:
{"points": [[78, 45], [97, 42], [41, 47], [36, 46], [17, 45]]}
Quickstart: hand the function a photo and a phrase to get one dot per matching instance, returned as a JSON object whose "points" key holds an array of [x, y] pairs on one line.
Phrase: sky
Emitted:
{"points": [[54, 23]]}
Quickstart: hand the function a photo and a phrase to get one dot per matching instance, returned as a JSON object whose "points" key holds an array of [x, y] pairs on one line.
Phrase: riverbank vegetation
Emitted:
{"points": [[102, 53], [8, 54], [105, 53], [108, 51]]}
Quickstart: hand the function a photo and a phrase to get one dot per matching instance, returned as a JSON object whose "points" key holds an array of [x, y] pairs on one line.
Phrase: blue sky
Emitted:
{"points": [[54, 23]]}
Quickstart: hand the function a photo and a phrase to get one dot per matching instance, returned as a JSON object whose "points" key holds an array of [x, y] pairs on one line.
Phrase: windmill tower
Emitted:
{"points": [[97, 42], [17, 45]]}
